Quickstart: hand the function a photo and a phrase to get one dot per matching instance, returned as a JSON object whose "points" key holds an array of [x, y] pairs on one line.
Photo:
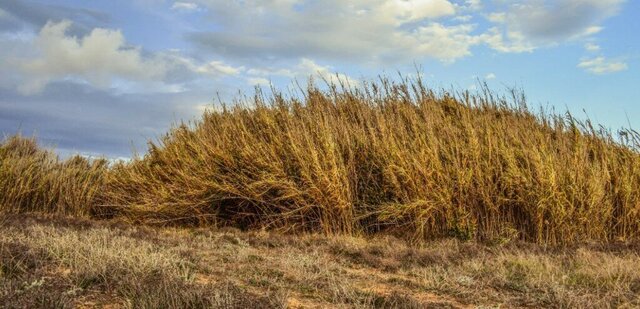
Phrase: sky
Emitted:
{"points": [[100, 78]]}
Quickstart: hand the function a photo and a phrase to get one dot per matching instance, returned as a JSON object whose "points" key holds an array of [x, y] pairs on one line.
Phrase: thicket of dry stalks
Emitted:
{"points": [[382, 157], [36, 180]]}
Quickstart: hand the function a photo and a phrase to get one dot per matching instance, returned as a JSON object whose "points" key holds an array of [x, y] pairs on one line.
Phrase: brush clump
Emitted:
{"points": [[36, 180], [384, 157]]}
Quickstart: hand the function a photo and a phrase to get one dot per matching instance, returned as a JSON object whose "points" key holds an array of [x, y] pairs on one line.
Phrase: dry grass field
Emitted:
{"points": [[386, 195], [55, 262]]}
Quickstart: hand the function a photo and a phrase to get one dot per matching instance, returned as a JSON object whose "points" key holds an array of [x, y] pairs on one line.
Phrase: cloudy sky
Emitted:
{"points": [[101, 77]]}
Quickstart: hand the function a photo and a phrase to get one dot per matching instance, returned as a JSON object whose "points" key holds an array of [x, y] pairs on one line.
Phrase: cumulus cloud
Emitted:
{"points": [[497, 17], [218, 68], [591, 30], [258, 81], [463, 18], [308, 67], [212, 68], [446, 43], [602, 65], [412, 10], [184, 6], [530, 24], [103, 59], [474, 4], [507, 41], [552, 20], [367, 31], [385, 31], [304, 69], [97, 58], [591, 47]]}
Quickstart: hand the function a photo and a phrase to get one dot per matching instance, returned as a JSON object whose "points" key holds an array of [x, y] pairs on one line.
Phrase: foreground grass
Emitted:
{"points": [[65, 263]]}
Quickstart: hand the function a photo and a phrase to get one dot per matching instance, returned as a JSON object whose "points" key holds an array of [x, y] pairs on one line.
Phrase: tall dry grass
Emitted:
{"points": [[388, 157], [392, 157], [33, 179]]}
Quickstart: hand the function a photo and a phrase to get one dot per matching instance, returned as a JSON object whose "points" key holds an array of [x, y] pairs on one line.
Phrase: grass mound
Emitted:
{"points": [[387, 157]]}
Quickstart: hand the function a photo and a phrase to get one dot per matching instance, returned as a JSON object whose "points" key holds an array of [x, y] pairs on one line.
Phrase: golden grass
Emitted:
{"points": [[386, 157], [32, 179], [53, 262]]}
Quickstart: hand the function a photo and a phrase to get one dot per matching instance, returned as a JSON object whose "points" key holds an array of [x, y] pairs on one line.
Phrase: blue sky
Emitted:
{"points": [[102, 77]]}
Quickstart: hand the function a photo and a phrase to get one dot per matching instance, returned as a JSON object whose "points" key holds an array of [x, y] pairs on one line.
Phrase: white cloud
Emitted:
{"points": [[540, 23], [217, 68], [592, 47], [559, 19], [304, 69], [509, 42], [498, 18], [102, 59], [308, 67], [202, 107], [271, 72], [184, 6], [191, 68], [387, 31], [446, 43], [366, 31], [601, 65], [258, 81], [591, 30], [98, 58], [463, 18], [474, 4], [490, 76], [310, 32], [411, 10]]}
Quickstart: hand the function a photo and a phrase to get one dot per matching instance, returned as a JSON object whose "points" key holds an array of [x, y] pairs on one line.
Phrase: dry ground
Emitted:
{"points": [[48, 262]]}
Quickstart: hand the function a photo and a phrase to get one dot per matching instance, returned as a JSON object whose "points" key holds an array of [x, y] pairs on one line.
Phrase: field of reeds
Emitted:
{"points": [[387, 157]]}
